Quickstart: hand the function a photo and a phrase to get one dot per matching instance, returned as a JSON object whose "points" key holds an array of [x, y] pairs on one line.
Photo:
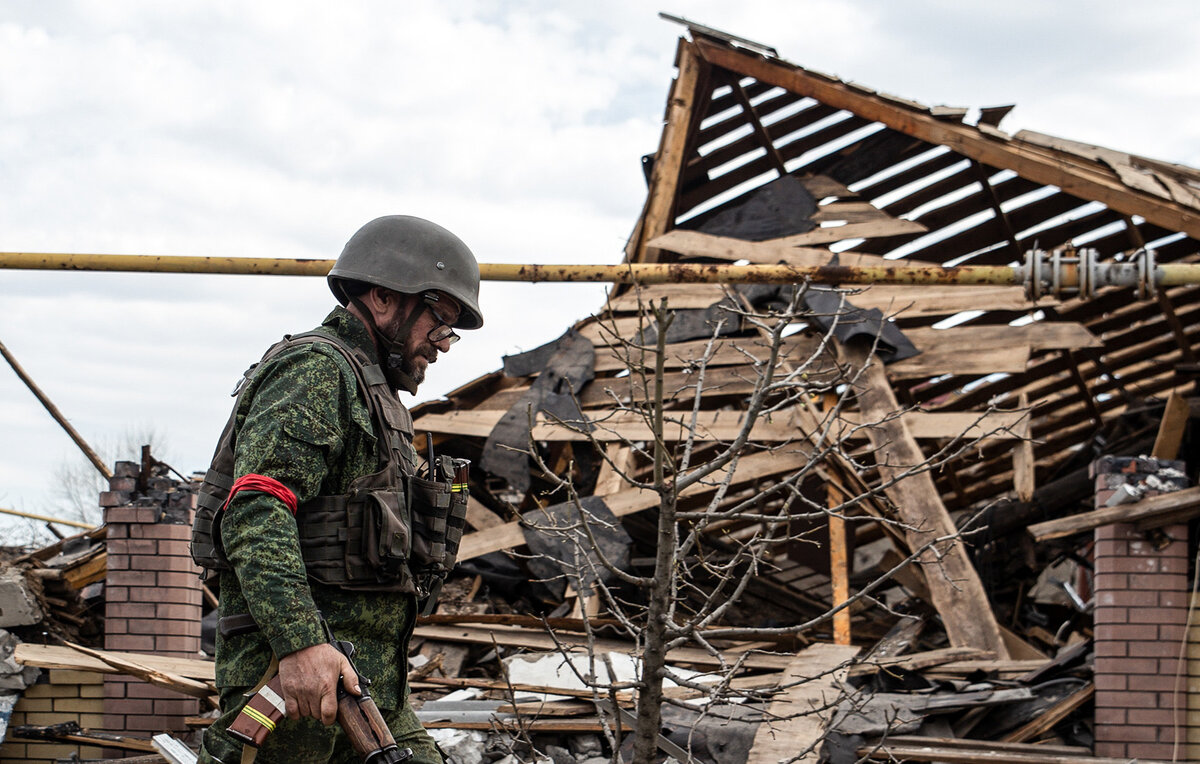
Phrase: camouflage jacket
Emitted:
{"points": [[303, 421]]}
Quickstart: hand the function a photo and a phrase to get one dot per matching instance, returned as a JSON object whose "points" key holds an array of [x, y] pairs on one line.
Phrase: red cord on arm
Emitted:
{"points": [[264, 484]]}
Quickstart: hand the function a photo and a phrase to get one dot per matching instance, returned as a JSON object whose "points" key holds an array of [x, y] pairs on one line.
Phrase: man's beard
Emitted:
{"points": [[408, 363]]}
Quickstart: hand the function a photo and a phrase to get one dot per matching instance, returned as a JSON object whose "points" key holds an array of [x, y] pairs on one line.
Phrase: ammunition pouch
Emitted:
{"points": [[392, 530]]}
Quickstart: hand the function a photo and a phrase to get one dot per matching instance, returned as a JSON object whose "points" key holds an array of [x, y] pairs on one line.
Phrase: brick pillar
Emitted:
{"points": [[1141, 586], [153, 598]]}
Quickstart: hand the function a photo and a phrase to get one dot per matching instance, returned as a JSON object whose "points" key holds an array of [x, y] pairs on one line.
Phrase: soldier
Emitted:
{"points": [[316, 507]]}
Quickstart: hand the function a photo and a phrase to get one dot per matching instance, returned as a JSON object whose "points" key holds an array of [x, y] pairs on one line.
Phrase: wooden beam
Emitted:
{"points": [[1024, 462], [794, 724], [715, 426], [1087, 180], [631, 500], [839, 564], [669, 159], [760, 132], [1047, 719], [1170, 431], [1162, 509], [538, 639], [953, 582]]}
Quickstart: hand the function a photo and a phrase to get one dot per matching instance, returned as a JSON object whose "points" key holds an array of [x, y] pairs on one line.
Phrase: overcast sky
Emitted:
{"points": [[275, 129]]}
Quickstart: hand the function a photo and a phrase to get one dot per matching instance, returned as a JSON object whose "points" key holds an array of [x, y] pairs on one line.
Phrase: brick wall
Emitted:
{"points": [[1141, 590], [59, 696], [153, 597]]}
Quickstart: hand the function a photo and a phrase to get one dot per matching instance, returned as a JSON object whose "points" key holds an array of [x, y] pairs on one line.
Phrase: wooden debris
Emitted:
{"points": [[811, 681], [1153, 512]]}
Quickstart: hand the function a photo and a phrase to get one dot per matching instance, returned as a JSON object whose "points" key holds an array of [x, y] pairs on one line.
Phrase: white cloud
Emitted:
{"points": [[276, 129]]}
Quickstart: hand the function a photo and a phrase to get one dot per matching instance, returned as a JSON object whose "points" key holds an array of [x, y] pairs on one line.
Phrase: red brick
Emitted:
{"points": [[189, 596], [1125, 699], [140, 546], [115, 626], [1121, 531], [1162, 751], [1111, 648], [1171, 632], [1177, 566], [1152, 649], [129, 610], [114, 512], [1107, 682], [1111, 548], [176, 707], [115, 593], [1116, 598], [1177, 599], [1137, 734], [1169, 666], [175, 610], [1109, 749], [177, 644], [131, 577], [1110, 716], [153, 724], [164, 531], [1155, 682], [117, 561], [1135, 632], [1110, 581], [1131, 565], [183, 580], [165, 626], [139, 689], [1146, 581], [1150, 716], [1111, 615], [161, 562], [116, 531], [122, 484], [1161, 615], [129, 642], [130, 706], [1126, 666]]}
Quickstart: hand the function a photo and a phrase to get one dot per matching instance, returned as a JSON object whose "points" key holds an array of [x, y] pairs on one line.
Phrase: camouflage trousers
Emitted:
{"points": [[307, 741]]}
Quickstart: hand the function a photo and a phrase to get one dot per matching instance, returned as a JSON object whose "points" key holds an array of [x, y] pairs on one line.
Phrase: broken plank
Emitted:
{"points": [[540, 640], [1039, 335], [629, 501], [724, 426], [976, 361], [1024, 461], [696, 244], [1170, 507], [814, 676], [56, 657], [1047, 719], [953, 582], [1170, 431], [919, 661]]}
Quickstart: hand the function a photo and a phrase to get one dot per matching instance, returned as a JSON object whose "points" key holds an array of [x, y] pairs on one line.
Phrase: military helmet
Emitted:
{"points": [[410, 255]]}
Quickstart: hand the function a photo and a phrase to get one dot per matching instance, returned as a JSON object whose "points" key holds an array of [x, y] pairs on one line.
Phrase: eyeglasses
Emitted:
{"points": [[445, 329]]}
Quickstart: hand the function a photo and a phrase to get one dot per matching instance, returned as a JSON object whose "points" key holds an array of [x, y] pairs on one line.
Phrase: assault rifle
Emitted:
{"points": [[358, 715]]}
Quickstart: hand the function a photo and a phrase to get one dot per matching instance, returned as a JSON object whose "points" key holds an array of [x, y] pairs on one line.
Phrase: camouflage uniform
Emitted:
{"points": [[303, 421]]}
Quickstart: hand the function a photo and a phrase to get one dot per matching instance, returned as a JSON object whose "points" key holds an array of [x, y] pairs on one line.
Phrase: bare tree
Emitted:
{"points": [[736, 487]]}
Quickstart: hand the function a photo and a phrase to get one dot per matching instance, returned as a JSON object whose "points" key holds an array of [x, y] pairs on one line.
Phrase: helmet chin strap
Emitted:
{"points": [[390, 349]]}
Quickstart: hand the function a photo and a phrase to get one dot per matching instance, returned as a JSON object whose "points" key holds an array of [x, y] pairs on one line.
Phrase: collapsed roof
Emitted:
{"points": [[763, 161]]}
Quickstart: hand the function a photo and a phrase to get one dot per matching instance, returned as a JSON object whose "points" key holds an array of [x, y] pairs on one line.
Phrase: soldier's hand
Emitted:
{"points": [[309, 678]]}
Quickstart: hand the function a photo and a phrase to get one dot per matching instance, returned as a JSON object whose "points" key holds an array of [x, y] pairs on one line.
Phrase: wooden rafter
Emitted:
{"points": [[1074, 175]]}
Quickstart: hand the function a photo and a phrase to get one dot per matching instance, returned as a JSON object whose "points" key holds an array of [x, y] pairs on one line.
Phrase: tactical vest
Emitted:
{"points": [[392, 531]]}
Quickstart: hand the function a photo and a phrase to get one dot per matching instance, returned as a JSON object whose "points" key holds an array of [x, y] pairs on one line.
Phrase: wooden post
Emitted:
{"points": [[1170, 430], [839, 565], [954, 585], [1023, 457]]}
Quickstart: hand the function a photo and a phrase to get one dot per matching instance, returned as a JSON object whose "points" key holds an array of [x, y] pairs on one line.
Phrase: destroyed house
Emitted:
{"points": [[988, 485]]}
